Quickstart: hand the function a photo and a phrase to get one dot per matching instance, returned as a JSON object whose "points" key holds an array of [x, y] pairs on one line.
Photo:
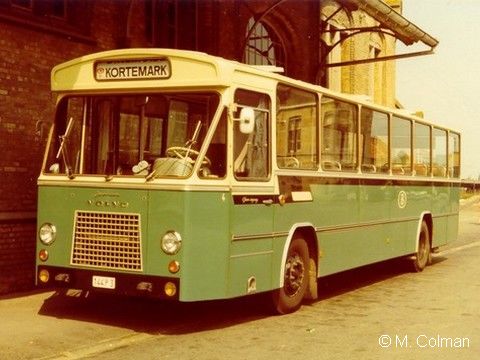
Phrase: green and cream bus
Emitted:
{"points": [[185, 176]]}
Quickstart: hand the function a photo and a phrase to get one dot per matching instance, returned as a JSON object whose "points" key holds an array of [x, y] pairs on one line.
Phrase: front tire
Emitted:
{"points": [[289, 297], [423, 255]]}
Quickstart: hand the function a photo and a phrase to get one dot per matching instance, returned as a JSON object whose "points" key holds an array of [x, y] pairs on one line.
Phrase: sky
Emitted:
{"points": [[446, 85]]}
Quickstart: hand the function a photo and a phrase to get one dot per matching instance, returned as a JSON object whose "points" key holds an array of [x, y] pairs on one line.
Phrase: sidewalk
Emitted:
{"points": [[43, 324]]}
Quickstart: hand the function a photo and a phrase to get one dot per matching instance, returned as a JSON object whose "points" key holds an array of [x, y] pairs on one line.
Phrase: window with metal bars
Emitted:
{"points": [[262, 48]]}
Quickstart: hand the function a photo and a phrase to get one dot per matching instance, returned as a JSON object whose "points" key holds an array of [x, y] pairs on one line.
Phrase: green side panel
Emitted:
{"points": [[251, 219], [446, 227], [453, 221], [250, 257], [374, 203], [206, 240], [441, 206], [226, 245], [247, 268], [166, 211], [335, 204], [362, 233], [363, 223], [349, 249]]}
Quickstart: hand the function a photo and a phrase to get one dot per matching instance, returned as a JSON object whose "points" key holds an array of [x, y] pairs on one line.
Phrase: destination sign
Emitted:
{"points": [[151, 69]]}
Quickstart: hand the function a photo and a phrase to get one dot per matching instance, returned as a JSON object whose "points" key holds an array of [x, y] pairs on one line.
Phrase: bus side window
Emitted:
{"points": [[374, 141], [296, 128], [339, 135], [439, 152], [422, 151], [252, 151], [401, 146]]}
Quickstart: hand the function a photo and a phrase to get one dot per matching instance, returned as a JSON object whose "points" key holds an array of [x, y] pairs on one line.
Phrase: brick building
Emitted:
{"points": [[303, 37]]}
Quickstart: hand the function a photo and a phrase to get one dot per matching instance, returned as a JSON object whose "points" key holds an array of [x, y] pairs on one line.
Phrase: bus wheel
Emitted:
{"points": [[288, 298], [422, 256]]}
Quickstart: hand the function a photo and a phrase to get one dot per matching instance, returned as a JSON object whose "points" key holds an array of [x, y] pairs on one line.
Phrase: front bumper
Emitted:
{"points": [[122, 283]]}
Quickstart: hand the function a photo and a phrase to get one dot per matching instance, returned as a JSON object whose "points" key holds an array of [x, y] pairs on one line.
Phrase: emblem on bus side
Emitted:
{"points": [[402, 199]]}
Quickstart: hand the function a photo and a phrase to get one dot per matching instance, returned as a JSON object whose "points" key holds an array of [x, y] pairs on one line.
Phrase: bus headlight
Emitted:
{"points": [[47, 233], [171, 242]]}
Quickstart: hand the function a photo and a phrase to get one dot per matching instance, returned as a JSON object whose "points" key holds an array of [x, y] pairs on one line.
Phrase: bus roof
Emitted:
{"points": [[150, 68], [140, 68]]}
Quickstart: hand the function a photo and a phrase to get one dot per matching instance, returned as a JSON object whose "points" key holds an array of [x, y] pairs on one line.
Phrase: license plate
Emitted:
{"points": [[103, 282]]}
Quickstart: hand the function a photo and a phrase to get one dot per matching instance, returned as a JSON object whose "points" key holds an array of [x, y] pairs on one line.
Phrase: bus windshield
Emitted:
{"points": [[151, 135]]}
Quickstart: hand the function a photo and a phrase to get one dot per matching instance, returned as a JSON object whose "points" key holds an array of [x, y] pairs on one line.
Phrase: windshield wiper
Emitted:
{"points": [[62, 150]]}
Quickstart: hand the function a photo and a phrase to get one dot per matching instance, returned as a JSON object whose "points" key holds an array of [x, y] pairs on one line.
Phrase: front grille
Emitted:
{"points": [[107, 240]]}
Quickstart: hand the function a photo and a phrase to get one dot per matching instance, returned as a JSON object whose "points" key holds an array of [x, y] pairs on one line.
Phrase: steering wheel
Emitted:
{"points": [[181, 153]]}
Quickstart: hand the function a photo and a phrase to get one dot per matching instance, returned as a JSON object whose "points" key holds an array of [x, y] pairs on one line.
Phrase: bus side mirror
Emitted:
{"points": [[247, 120]]}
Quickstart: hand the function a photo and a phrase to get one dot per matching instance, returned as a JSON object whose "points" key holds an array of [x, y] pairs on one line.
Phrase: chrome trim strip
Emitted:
{"points": [[259, 236], [365, 224], [342, 227], [258, 253]]}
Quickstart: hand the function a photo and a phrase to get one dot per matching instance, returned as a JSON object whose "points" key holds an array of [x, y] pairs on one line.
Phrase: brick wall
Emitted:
{"points": [[17, 255], [28, 51]]}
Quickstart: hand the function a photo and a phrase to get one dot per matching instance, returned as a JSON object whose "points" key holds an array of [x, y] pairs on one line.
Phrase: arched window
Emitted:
{"points": [[261, 47]]}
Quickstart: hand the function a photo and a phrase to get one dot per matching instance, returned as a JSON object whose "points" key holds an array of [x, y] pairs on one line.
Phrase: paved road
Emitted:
{"points": [[375, 312]]}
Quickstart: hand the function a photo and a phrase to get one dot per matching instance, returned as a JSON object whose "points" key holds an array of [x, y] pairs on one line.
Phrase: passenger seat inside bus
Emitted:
{"points": [[421, 170]]}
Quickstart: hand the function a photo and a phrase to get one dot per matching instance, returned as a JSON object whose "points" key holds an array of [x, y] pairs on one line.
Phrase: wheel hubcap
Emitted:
{"points": [[294, 274]]}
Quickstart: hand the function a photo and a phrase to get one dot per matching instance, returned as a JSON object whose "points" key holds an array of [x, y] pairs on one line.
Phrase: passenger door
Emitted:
{"points": [[253, 196]]}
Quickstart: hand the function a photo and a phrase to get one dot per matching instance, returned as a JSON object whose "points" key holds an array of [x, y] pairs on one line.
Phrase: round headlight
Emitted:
{"points": [[47, 233], [171, 242]]}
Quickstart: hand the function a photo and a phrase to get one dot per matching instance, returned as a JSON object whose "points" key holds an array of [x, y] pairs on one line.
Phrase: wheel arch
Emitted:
{"points": [[427, 217], [308, 233]]}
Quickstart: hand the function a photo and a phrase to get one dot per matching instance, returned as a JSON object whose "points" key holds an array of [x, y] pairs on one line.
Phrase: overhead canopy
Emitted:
{"points": [[404, 30], [390, 23]]}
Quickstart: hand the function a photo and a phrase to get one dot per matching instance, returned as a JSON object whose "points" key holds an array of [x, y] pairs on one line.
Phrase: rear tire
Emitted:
{"points": [[289, 298], [423, 255]]}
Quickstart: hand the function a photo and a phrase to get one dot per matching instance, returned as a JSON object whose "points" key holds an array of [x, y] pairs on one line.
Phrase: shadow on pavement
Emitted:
{"points": [[163, 317], [152, 315], [338, 284]]}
